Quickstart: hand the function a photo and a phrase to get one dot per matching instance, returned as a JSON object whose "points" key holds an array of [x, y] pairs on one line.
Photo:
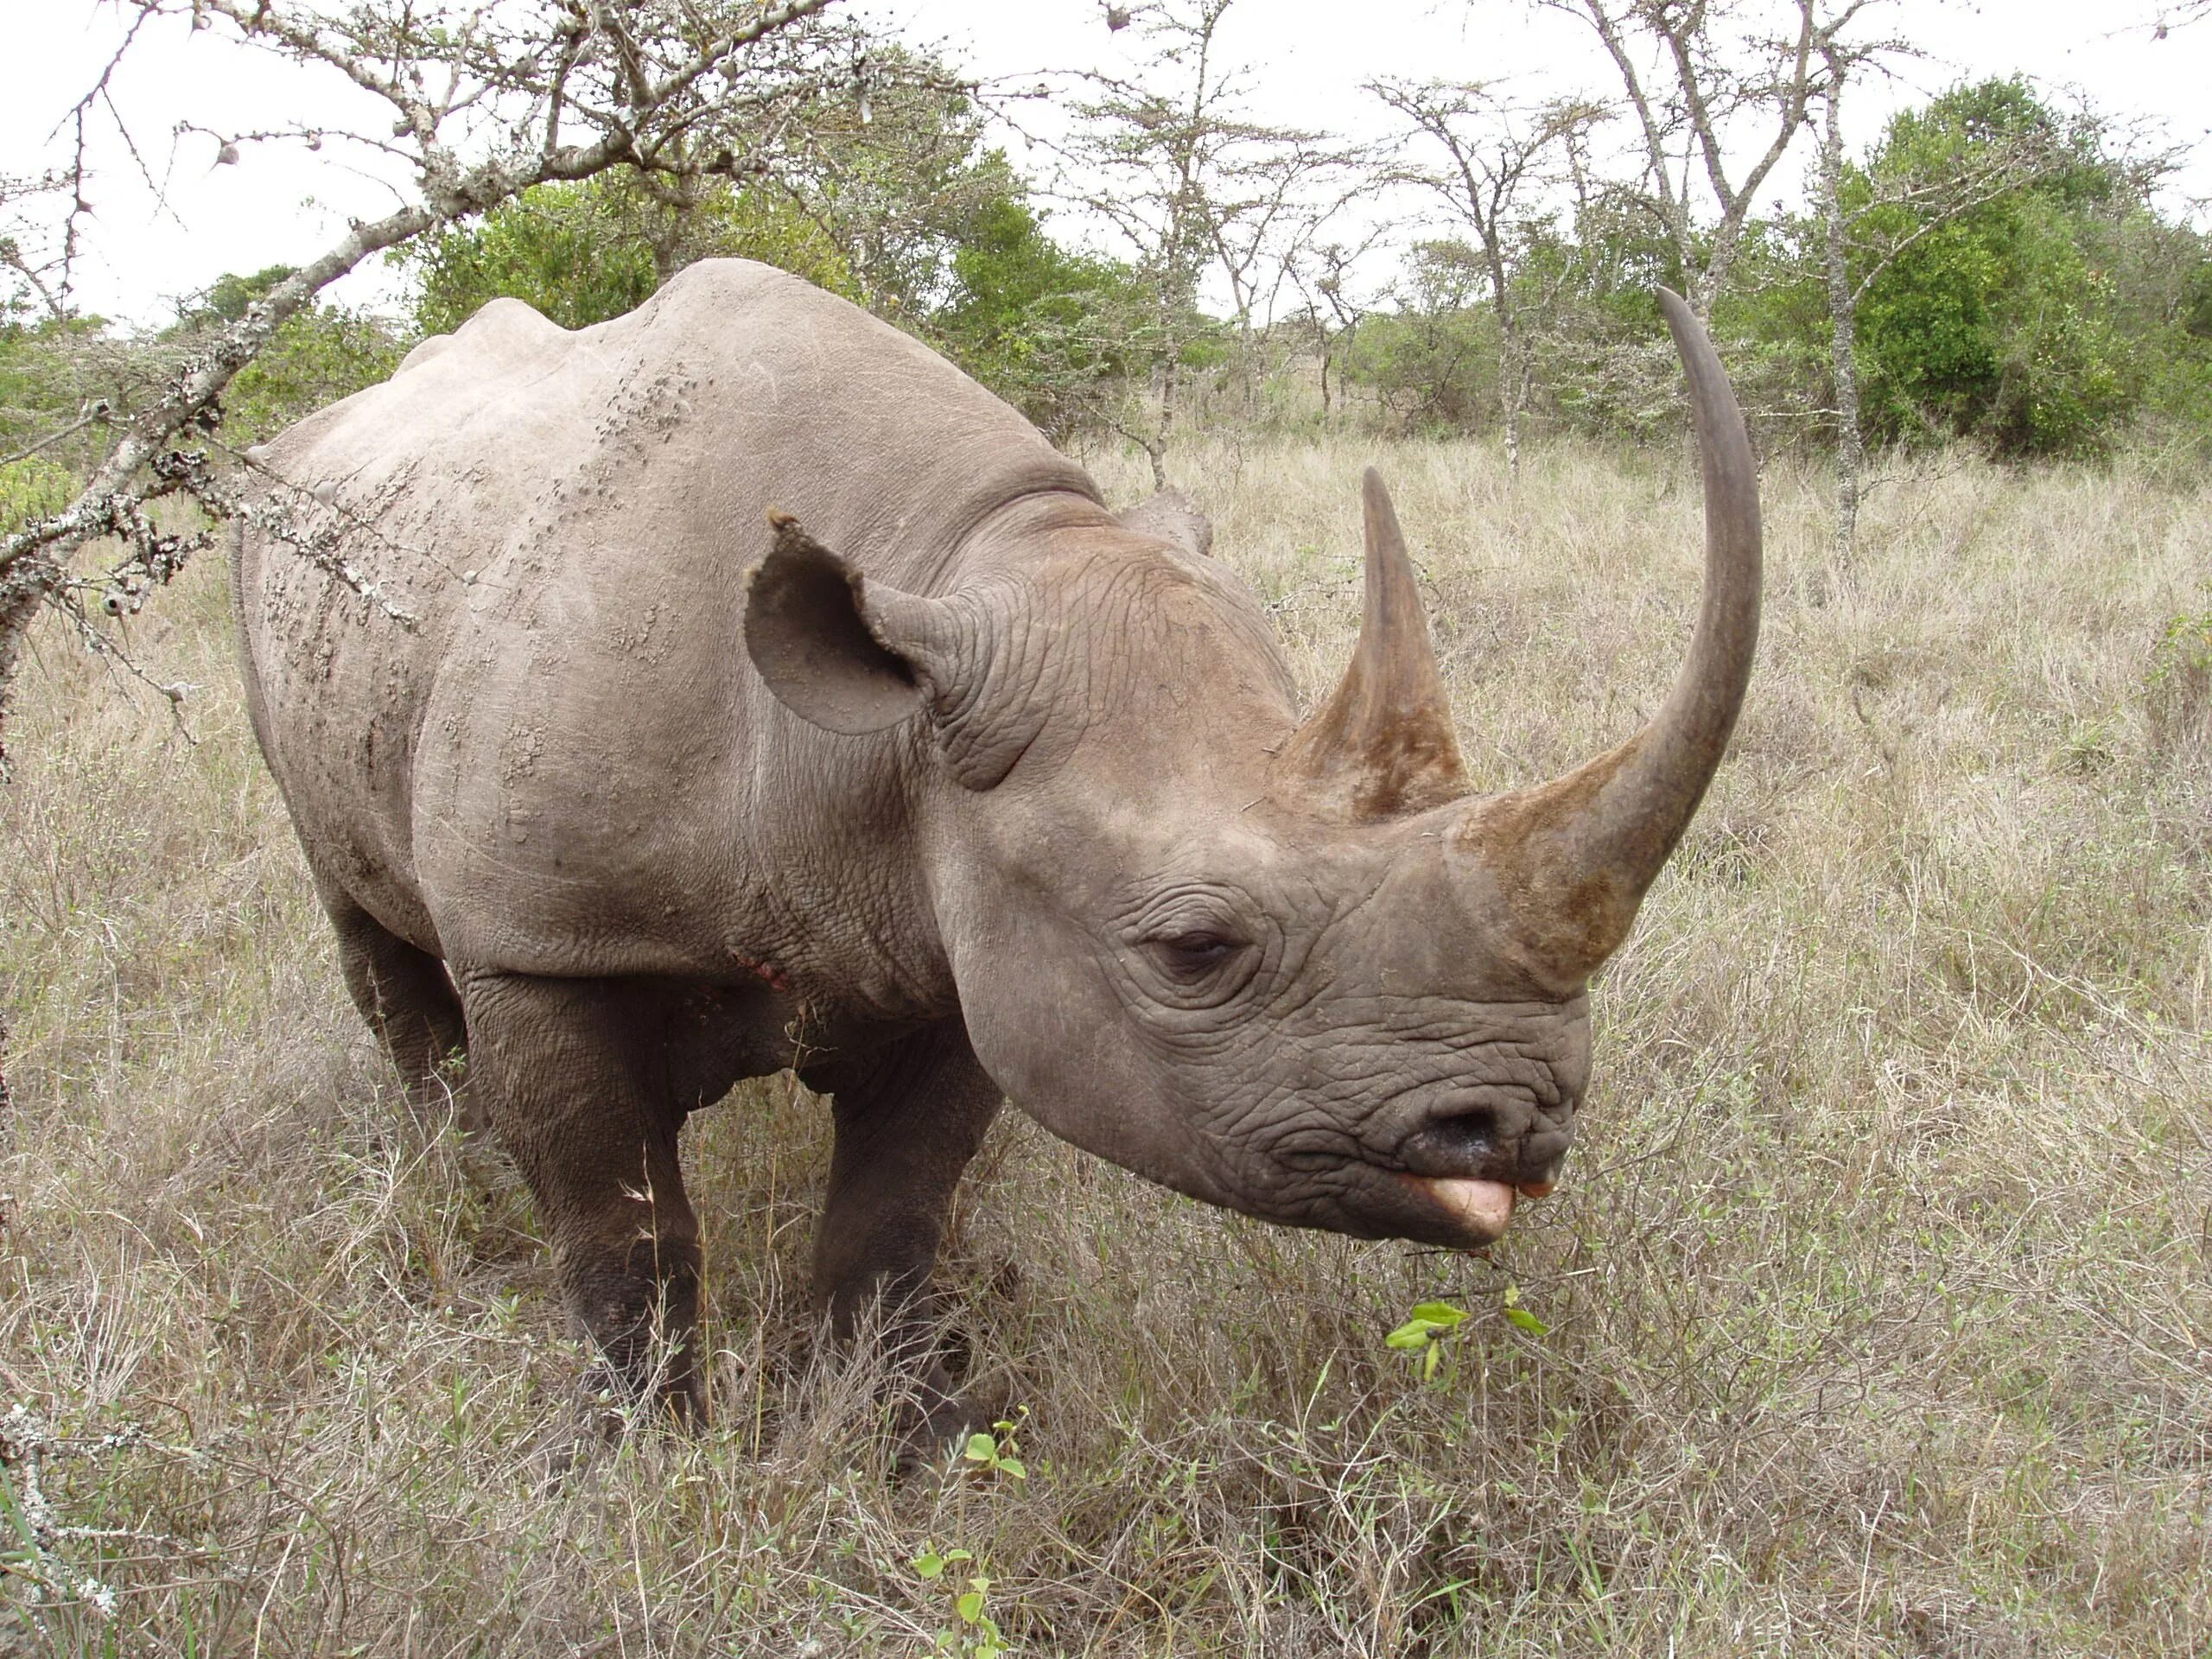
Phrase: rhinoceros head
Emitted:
{"points": [[1295, 969]]}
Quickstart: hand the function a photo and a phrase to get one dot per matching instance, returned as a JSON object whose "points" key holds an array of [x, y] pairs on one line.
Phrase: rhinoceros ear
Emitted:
{"points": [[816, 631], [1173, 516]]}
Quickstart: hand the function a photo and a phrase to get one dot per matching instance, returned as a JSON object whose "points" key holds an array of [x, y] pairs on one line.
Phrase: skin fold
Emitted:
{"points": [[772, 696]]}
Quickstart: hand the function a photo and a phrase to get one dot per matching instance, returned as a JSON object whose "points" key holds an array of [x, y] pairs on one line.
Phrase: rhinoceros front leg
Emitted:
{"points": [[574, 1078], [909, 1118]]}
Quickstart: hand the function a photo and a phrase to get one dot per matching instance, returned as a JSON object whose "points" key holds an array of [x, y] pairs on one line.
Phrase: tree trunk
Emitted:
{"points": [[1843, 314], [1512, 393], [666, 247], [1509, 341], [1156, 450]]}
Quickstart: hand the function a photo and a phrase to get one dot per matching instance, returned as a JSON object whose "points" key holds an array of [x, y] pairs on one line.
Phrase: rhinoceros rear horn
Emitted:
{"points": [[1381, 745], [1574, 857], [816, 630], [1173, 516]]}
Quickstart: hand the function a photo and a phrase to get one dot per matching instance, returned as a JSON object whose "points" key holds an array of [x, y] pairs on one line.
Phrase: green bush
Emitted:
{"points": [[1434, 362], [2004, 323], [1053, 333], [583, 253], [31, 488]]}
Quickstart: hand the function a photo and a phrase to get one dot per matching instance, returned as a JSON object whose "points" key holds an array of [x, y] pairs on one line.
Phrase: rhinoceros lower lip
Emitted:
{"points": [[1481, 1208]]}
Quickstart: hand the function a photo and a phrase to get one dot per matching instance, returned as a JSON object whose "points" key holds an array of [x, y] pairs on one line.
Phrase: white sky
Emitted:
{"points": [[281, 205]]}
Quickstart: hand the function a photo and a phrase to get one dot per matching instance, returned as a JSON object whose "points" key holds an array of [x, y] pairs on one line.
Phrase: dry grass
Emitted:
{"points": [[1880, 1294]]}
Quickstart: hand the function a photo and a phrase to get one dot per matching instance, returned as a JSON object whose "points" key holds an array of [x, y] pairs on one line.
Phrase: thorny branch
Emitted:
{"points": [[33, 1551], [484, 100]]}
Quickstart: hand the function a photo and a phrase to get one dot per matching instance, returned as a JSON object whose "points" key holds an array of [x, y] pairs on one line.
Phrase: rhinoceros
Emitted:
{"points": [[763, 693]]}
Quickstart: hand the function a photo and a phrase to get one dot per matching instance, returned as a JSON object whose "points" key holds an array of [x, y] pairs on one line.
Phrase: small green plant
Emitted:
{"points": [[1520, 1316], [995, 1451], [1430, 1324], [977, 1635], [1424, 1332], [2178, 687], [2088, 748]]}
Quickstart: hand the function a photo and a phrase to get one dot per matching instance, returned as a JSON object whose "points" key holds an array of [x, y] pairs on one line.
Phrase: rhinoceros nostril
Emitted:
{"points": [[1467, 1138]]}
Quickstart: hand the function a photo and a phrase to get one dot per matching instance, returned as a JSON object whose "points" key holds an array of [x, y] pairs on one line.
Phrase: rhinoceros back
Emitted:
{"points": [[567, 519]]}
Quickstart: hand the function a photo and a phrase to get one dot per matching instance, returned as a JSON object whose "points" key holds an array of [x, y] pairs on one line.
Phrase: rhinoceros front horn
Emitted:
{"points": [[1574, 857], [1381, 745]]}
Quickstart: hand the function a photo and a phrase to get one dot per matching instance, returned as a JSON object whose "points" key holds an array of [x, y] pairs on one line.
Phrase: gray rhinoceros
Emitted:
{"points": [[775, 696]]}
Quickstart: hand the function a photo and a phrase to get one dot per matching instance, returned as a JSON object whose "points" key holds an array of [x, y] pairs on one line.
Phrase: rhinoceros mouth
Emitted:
{"points": [[1480, 1210], [1456, 1180]]}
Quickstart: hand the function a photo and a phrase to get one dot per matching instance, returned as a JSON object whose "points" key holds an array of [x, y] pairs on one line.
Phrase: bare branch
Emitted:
{"points": [[686, 89], [1712, 81]]}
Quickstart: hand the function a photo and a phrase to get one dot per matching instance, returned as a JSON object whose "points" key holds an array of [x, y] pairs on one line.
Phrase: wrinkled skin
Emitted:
{"points": [[970, 789]]}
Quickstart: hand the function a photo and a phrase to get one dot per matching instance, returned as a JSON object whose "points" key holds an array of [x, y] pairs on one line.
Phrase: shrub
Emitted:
{"points": [[2179, 690]]}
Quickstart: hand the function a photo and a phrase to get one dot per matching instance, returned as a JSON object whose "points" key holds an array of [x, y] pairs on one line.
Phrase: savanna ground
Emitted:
{"points": [[1878, 1292]]}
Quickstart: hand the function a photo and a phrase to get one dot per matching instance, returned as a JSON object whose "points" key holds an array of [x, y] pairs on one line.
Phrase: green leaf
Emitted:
{"points": [[1013, 1466], [970, 1605], [1528, 1321], [981, 1448], [929, 1563], [16, 1517], [1429, 1322]]}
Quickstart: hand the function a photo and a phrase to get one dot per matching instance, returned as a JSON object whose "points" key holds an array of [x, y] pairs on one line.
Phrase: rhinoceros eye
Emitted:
{"points": [[1192, 943], [1190, 957]]}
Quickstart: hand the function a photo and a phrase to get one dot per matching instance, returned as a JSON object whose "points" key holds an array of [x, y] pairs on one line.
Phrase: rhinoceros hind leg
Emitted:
{"points": [[909, 1118], [408, 1001], [572, 1075]]}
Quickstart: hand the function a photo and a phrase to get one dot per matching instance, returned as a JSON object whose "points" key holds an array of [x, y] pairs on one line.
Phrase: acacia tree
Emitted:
{"points": [[480, 100], [1689, 83], [1331, 305], [898, 180], [1170, 159], [1285, 202], [1495, 153], [872, 199]]}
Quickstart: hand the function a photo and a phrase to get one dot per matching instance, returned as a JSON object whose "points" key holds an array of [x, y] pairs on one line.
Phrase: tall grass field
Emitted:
{"points": [[1873, 1315]]}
